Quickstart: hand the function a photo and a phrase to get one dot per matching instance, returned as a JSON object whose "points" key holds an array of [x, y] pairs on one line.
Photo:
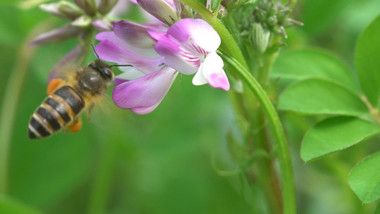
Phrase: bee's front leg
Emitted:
{"points": [[90, 107]]}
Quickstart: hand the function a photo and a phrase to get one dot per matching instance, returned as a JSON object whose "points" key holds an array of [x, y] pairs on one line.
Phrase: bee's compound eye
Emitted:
{"points": [[93, 65], [107, 73]]}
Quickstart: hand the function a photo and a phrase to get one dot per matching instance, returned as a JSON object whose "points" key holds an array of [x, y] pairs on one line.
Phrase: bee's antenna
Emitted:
{"points": [[93, 48], [120, 65]]}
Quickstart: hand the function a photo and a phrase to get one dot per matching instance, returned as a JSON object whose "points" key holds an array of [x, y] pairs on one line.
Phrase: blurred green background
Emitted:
{"points": [[162, 162]]}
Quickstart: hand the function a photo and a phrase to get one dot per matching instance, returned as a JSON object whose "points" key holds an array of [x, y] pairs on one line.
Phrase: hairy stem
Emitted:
{"points": [[281, 146]]}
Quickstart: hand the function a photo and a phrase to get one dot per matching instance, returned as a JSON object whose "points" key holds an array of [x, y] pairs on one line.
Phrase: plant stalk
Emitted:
{"points": [[281, 146]]}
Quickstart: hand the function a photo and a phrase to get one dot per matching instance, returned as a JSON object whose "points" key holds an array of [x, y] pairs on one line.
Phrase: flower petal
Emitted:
{"points": [[56, 35], [111, 48], [143, 95], [212, 71], [135, 34], [164, 10], [195, 35], [176, 57], [111, 36]]}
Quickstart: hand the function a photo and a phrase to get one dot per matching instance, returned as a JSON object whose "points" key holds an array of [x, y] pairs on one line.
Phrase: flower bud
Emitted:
{"points": [[106, 5], [272, 20], [62, 9], [164, 10], [56, 35], [87, 5], [260, 37], [82, 21]]}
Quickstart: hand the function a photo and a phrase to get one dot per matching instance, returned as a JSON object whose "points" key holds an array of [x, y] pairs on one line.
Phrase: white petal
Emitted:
{"points": [[212, 71], [130, 73], [199, 78]]}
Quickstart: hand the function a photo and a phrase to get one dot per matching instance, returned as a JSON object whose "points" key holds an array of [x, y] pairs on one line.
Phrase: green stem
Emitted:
{"points": [[288, 186], [238, 62], [11, 98]]}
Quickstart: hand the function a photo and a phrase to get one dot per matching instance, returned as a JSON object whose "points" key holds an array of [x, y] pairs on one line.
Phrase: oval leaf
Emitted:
{"points": [[364, 178], [367, 61], [302, 64], [319, 96], [335, 134]]}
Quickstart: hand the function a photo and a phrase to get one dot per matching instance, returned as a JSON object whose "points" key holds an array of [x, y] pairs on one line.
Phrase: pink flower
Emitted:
{"points": [[158, 52]]}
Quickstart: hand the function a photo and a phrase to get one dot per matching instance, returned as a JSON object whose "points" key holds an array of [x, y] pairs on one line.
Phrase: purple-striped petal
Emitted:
{"points": [[195, 35], [186, 44], [143, 95], [177, 57]]}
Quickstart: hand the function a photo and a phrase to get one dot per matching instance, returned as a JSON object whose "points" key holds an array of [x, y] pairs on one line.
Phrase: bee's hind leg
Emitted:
{"points": [[53, 85], [75, 126]]}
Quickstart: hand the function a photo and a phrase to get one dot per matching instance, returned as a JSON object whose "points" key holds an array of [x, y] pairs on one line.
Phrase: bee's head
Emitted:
{"points": [[104, 69]]}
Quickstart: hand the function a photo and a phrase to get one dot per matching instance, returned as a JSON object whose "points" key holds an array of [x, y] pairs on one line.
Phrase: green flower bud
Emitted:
{"points": [[106, 5], [62, 9], [82, 21], [260, 38], [272, 20], [87, 5]]}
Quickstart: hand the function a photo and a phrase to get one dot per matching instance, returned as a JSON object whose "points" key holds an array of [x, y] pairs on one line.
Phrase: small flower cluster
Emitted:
{"points": [[81, 15], [158, 51], [84, 17], [260, 19]]}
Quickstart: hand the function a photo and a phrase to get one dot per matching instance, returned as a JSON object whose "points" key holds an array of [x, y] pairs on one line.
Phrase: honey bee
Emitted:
{"points": [[68, 98]]}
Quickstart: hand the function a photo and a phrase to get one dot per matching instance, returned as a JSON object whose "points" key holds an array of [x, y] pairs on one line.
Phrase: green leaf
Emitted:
{"points": [[367, 61], [364, 178], [302, 64], [331, 10], [335, 134], [12, 206], [319, 96]]}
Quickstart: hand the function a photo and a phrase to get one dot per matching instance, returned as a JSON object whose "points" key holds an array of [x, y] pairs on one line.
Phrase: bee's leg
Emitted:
{"points": [[75, 126], [53, 84], [91, 106]]}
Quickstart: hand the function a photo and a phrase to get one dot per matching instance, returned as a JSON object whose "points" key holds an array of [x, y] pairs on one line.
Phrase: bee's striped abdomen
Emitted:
{"points": [[58, 110]]}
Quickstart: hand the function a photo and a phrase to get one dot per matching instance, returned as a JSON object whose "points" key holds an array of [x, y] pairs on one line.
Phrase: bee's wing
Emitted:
{"points": [[69, 63], [105, 105]]}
